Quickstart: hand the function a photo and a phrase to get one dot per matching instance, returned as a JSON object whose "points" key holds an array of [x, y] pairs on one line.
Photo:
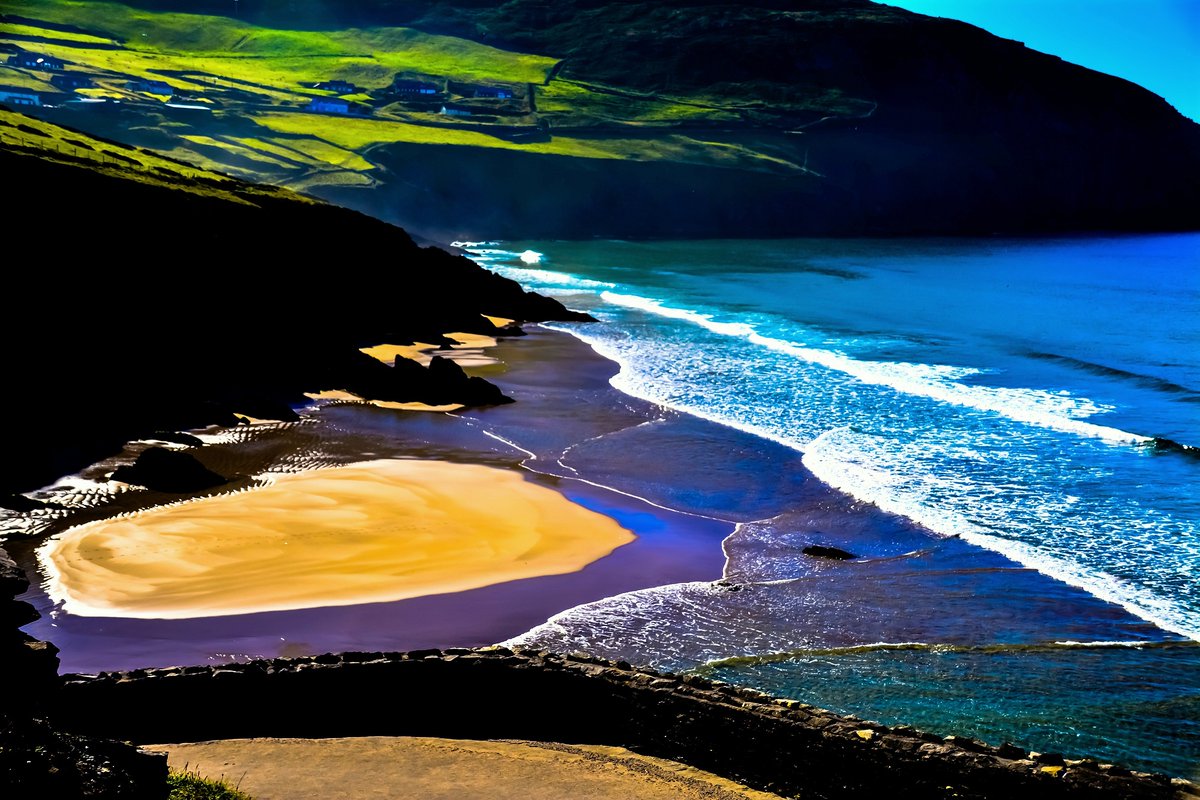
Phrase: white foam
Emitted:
{"points": [[627, 381], [1070, 643], [833, 459], [544, 277], [1055, 410]]}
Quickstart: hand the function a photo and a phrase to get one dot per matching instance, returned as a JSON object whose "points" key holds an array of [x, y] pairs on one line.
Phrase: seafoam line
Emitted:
{"points": [[934, 381]]}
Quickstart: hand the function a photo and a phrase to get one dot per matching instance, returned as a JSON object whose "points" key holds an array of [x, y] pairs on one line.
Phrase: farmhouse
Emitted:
{"points": [[411, 88], [27, 60], [70, 81], [151, 87], [335, 105], [496, 92], [8, 98], [455, 110], [337, 87]]}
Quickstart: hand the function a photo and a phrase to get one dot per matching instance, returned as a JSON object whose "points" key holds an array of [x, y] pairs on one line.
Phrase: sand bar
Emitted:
{"points": [[446, 769], [372, 532]]}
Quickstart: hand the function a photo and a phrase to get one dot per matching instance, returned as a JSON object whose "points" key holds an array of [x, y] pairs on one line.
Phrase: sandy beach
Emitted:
{"points": [[554, 376], [432, 769], [376, 531]]}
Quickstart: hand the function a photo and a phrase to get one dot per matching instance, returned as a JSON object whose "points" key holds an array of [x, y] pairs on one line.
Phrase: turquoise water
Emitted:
{"points": [[997, 400]]}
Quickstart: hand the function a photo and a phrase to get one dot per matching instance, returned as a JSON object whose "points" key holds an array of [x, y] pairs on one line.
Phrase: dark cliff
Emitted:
{"points": [[153, 304]]}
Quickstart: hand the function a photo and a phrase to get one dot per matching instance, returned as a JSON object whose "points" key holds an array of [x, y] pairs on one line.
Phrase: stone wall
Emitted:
{"points": [[778, 745]]}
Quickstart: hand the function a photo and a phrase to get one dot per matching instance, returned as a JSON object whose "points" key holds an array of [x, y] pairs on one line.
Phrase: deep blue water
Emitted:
{"points": [[1000, 394]]}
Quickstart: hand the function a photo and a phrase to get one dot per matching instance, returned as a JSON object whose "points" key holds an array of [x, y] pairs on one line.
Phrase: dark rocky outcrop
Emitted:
{"points": [[777, 745], [36, 760], [30, 667], [169, 471], [833, 553], [1161, 444], [39, 761]]}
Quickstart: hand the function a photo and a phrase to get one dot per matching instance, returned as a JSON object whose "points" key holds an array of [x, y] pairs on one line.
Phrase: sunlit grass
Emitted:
{"points": [[284, 51], [30, 30], [358, 134], [569, 98], [23, 80], [190, 786], [257, 79]]}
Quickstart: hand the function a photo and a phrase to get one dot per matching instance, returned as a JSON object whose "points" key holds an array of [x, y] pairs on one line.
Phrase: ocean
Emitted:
{"points": [[1000, 431]]}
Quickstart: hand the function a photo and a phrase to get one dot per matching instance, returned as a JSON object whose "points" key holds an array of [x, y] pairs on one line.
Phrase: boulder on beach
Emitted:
{"points": [[169, 471], [833, 553]]}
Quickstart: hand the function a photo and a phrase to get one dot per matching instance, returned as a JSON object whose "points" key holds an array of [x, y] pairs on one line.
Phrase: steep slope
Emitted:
{"points": [[155, 298], [679, 118], [930, 125]]}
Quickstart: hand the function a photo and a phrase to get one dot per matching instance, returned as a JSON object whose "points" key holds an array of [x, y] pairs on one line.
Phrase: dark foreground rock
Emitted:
{"points": [[28, 667], [37, 761], [169, 471], [496, 693]]}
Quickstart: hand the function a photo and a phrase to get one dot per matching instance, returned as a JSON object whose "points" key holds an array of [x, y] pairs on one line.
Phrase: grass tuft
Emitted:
{"points": [[188, 785]]}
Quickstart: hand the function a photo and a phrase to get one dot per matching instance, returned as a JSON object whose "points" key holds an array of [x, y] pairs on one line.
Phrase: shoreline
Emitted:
{"points": [[610, 459], [669, 546], [553, 371]]}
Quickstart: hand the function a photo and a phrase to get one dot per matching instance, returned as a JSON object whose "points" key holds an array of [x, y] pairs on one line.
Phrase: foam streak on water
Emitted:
{"points": [[971, 447], [939, 382]]}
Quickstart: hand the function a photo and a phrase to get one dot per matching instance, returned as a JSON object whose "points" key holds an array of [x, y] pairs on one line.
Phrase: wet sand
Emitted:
{"points": [[376, 531], [432, 769]]}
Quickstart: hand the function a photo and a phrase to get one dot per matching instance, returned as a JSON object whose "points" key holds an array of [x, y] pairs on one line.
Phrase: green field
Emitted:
{"points": [[256, 80]]}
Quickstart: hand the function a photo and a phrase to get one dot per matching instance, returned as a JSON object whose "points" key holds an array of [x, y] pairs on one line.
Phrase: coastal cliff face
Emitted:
{"points": [[869, 120], [221, 299]]}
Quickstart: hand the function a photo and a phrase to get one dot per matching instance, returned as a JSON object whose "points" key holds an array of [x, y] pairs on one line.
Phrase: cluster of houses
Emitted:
{"points": [[422, 93], [60, 79], [68, 81], [27, 60], [161, 88], [336, 105], [411, 90]]}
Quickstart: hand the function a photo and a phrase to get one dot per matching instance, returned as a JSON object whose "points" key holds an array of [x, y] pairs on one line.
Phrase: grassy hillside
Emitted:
{"points": [[251, 83], [864, 119]]}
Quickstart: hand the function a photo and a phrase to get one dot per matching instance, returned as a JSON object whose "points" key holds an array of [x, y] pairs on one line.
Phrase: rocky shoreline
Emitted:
{"points": [[491, 693]]}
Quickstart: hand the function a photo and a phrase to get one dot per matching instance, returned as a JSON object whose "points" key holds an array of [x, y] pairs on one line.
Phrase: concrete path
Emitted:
{"points": [[446, 769]]}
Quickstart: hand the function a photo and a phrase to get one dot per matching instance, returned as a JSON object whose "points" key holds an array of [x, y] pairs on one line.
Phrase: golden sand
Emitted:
{"points": [[347, 397], [499, 322], [418, 351], [433, 769], [372, 532], [468, 352]]}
